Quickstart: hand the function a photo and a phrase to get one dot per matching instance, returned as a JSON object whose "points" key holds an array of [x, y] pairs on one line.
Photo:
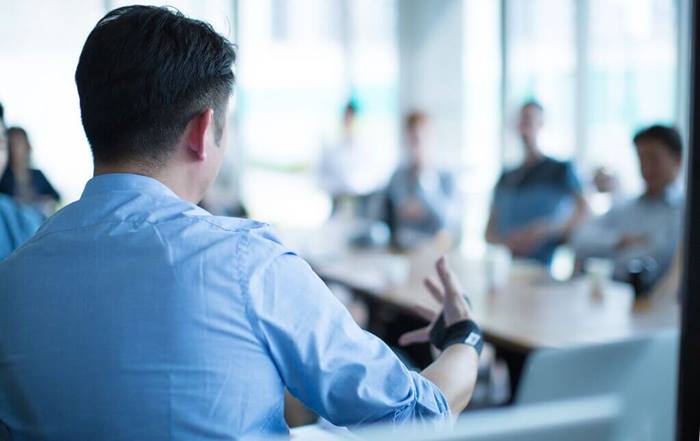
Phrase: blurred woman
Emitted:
{"points": [[26, 185], [17, 222]]}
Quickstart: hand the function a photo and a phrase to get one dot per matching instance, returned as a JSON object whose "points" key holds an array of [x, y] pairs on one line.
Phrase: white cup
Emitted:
{"points": [[498, 265]]}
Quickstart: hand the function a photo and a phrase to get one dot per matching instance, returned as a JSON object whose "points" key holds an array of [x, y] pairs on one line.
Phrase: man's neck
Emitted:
{"points": [[656, 193], [169, 178], [532, 155], [20, 171]]}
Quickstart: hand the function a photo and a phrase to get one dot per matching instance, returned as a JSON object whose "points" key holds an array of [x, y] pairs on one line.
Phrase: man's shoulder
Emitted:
{"points": [[250, 233], [225, 224], [250, 246], [549, 166], [509, 177], [552, 171], [175, 222]]}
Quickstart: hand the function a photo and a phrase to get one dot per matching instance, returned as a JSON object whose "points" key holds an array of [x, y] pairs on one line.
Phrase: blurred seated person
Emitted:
{"points": [[26, 185], [350, 170], [649, 226], [536, 205], [17, 222], [422, 201]]}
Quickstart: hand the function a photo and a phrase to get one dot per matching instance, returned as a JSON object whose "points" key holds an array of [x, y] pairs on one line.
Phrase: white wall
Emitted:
{"points": [[40, 42]]}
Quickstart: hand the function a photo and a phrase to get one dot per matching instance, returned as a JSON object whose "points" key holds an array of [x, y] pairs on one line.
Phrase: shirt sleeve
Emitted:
{"points": [[347, 375], [597, 237]]}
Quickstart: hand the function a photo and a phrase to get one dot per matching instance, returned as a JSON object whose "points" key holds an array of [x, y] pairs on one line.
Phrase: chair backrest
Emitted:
{"points": [[642, 372], [583, 419]]}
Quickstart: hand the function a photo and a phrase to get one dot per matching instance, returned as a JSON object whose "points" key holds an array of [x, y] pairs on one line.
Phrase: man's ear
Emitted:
{"points": [[196, 133]]}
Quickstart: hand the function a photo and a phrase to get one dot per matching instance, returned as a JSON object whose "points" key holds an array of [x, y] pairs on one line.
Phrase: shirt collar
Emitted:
{"points": [[126, 182], [672, 195]]}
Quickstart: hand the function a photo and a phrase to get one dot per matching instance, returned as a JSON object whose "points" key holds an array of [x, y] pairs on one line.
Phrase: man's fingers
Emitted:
{"points": [[421, 335], [434, 290], [426, 313], [446, 277]]}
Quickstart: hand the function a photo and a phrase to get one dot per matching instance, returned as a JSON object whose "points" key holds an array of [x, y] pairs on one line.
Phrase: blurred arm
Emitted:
{"points": [[597, 237], [491, 234], [580, 213]]}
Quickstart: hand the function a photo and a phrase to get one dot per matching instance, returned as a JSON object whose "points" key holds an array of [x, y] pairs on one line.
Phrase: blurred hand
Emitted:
{"points": [[627, 241], [411, 209], [605, 180], [527, 239], [449, 295]]}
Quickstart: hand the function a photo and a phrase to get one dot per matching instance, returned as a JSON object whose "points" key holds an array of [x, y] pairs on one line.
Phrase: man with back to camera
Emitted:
{"points": [[134, 314]]}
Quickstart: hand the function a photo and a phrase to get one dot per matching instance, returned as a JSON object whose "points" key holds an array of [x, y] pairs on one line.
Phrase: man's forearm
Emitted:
{"points": [[594, 240], [454, 373]]}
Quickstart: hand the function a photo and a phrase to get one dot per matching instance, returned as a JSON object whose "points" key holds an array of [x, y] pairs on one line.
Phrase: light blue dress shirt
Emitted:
{"points": [[659, 220], [134, 315]]}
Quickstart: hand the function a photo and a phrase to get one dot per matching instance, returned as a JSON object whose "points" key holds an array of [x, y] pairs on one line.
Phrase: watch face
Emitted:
{"points": [[472, 339]]}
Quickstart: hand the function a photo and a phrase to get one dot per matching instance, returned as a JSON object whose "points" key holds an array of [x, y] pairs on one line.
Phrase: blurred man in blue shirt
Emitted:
{"points": [[538, 204], [134, 314], [17, 222]]}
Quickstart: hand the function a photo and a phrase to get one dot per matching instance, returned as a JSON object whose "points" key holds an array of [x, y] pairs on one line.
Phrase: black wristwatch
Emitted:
{"points": [[463, 332]]}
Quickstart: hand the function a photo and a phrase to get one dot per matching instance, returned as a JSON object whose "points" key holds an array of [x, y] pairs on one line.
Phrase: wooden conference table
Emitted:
{"points": [[530, 310]]}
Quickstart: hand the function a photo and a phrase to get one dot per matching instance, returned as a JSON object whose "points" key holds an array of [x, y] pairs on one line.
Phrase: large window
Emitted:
{"points": [[292, 86], [40, 43], [541, 63], [631, 79], [482, 122], [602, 69], [300, 62]]}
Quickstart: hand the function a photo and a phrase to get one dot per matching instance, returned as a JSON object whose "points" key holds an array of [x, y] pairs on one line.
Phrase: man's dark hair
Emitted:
{"points": [[143, 74], [351, 107], [668, 136], [2, 113]]}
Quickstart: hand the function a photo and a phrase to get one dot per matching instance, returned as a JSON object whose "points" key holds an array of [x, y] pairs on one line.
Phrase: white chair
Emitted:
{"points": [[641, 373]]}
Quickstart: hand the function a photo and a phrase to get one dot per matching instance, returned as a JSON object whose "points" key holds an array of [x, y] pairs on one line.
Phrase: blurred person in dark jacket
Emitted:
{"points": [[25, 184], [17, 222]]}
